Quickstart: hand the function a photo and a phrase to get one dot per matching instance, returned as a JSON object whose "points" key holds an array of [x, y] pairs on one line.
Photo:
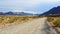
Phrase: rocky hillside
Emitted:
{"points": [[55, 11]]}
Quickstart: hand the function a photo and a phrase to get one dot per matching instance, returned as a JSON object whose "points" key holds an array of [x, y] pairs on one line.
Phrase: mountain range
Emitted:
{"points": [[55, 11], [18, 13]]}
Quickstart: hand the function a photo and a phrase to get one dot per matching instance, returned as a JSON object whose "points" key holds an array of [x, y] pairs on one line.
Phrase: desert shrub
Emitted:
{"points": [[54, 20], [57, 22], [12, 19], [1, 19], [50, 19]]}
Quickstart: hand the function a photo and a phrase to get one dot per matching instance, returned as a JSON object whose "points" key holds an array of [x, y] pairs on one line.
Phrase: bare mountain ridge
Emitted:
{"points": [[55, 11], [18, 13]]}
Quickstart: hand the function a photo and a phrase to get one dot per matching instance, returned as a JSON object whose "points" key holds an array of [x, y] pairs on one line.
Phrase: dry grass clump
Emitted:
{"points": [[55, 21], [50, 19], [8, 20]]}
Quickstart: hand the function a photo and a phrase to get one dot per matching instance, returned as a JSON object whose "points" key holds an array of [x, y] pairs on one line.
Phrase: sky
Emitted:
{"points": [[29, 6]]}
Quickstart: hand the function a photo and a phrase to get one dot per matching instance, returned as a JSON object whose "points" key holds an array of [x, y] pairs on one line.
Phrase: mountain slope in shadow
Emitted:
{"points": [[52, 12]]}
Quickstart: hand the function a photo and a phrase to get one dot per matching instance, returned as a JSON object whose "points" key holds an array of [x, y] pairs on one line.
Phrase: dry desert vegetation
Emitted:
{"points": [[6, 21], [55, 22]]}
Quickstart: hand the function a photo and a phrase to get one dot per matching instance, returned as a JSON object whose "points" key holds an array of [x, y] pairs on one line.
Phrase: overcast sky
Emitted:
{"points": [[31, 6]]}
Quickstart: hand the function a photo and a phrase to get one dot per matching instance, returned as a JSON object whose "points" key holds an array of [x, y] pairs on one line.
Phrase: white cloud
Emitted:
{"points": [[54, 0], [26, 3], [30, 3]]}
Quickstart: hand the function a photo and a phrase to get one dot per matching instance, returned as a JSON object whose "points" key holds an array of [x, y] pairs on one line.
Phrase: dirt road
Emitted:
{"points": [[36, 26]]}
